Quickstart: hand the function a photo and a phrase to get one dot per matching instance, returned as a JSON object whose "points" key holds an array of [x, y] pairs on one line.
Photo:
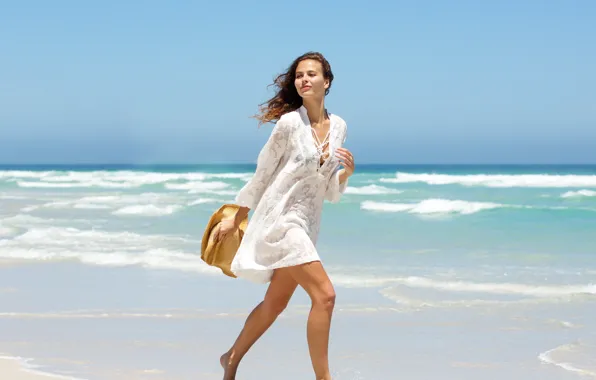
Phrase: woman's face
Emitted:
{"points": [[310, 81]]}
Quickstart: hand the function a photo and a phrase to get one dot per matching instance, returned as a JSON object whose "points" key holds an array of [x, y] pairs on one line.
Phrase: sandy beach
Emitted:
{"points": [[163, 327]]}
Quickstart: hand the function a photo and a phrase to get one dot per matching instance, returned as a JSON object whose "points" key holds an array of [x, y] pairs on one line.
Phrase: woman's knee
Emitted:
{"points": [[313, 278], [324, 297]]}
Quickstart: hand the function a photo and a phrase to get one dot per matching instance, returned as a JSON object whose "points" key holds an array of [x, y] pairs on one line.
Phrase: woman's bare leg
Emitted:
{"points": [[313, 278], [281, 288]]}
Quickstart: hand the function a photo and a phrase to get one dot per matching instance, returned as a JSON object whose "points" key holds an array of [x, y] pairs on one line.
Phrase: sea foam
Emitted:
{"points": [[372, 190], [577, 357], [531, 290], [124, 179], [579, 194], [496, 180], [432, 206], [27, 366], [105, 248]]}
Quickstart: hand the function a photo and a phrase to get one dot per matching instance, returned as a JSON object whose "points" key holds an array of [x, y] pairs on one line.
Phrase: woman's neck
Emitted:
{"points": [[315, 110]]}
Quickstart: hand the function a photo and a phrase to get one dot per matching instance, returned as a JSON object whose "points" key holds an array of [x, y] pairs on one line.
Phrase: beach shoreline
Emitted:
{"points": [[18, 368]]}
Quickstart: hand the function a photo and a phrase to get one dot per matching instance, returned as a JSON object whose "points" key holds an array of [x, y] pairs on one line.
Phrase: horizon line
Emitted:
{"points": [[254, 163]]}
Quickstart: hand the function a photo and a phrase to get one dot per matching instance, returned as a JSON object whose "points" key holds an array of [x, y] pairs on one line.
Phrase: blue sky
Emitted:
{"points": [[417, 82]]}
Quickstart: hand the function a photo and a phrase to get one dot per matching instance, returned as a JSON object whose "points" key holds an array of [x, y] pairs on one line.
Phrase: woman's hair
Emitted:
{"points": [[286, 98]]}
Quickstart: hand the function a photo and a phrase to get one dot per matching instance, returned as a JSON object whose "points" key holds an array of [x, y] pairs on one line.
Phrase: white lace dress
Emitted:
{"points": [[286, 194]]}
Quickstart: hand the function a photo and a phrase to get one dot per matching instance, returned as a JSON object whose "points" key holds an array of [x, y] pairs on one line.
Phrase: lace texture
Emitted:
{"points": [[286, 194]]}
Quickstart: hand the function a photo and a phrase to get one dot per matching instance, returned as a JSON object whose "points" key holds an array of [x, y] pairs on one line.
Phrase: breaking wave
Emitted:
{"points": [[372, 190], [105, 248], [497, 180], [579, 194], [432, 206]]}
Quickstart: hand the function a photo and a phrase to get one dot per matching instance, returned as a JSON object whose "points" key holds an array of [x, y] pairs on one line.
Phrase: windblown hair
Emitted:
{"points": [[286, 98]]}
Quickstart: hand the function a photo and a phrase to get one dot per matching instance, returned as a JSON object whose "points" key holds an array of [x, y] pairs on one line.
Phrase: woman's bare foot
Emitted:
{"points": [[229, 368]]}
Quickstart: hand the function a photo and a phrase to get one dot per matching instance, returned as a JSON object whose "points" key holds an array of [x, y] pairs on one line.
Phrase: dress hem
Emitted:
{"points": [[263, 276]]}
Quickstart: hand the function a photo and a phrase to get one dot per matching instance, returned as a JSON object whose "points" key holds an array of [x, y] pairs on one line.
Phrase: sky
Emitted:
{"points": [[147, 82]]}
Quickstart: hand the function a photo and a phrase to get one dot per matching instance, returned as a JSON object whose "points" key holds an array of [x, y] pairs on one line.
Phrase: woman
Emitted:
{"points": [[297, 169]]}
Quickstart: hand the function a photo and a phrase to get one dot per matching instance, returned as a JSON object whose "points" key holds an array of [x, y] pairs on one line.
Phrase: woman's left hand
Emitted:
{"points": [[347, 160]]}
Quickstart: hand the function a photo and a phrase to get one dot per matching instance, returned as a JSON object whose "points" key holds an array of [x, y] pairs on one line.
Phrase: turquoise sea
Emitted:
{"points": [[483, 270]]}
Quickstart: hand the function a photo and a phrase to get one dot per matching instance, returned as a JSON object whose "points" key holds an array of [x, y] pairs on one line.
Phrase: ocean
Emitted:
{"points": [[441, 271]]}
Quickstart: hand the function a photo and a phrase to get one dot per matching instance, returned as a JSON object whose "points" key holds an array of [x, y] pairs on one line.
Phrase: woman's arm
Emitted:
{"points": [[268, 161]]}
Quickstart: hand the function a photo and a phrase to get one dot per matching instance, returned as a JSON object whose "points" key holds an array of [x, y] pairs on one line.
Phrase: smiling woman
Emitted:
{"points": [[292, 87], [297, 169]]}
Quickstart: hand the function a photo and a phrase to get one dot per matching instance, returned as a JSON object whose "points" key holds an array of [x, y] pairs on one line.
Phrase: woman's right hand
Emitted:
{"points": [[226, 227]]}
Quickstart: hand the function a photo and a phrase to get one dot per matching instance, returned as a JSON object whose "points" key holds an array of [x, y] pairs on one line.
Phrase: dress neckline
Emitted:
{"points": [[318, 145]]}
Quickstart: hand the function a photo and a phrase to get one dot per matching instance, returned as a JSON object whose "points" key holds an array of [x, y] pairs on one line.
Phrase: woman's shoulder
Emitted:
{"points": [[289, 121], [285, 126], [291, 117], [340, 121]]}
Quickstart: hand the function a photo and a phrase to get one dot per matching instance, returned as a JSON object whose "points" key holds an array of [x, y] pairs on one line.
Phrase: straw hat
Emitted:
{"points": [[222, 253]]}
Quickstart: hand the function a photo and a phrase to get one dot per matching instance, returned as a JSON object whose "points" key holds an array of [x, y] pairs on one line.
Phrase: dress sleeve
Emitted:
{"points": [[334, 188], [269, 158]]}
